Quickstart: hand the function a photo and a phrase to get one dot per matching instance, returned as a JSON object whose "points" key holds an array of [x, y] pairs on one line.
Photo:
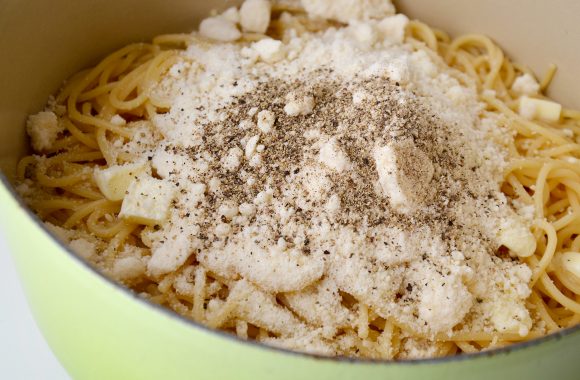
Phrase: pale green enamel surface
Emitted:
{"points": [[99, 331]]}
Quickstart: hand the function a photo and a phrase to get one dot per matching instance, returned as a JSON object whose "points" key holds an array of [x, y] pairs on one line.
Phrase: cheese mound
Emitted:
{"points": [[338, 158]]}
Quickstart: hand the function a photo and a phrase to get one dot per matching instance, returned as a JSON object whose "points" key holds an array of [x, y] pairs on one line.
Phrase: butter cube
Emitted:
{"points": [[115, 180], [532, 108], [570, 264], [147, 201]]}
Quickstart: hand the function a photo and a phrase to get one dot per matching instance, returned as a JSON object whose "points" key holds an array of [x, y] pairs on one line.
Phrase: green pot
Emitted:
{"points": [[98, 329]]}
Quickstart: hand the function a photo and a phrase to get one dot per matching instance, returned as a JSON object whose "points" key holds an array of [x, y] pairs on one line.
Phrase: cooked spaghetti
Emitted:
{"points": [[97, 157]]}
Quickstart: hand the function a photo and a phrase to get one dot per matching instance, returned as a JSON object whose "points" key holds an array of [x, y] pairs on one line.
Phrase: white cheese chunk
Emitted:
{"points": [[147, 201], [509, 316], [222, 230], [393, 28], [570, 264], [266, 120], [255, 15], [228, 210], [269, 50], [444, 303], [115, 180], [333, 157], [43, 129], [256, 160], [264, 197], [233, 159], [404, 173], [251, 146], [219, 29], [231, 14], [333, 204], [299, 105], [261, 309], [319, 304], [532, 108], [526, 84], [514, 235], [247, 209], [118, 120]]}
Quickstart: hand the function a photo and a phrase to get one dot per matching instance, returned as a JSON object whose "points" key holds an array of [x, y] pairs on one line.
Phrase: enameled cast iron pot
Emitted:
{"points": [[99, 330]]}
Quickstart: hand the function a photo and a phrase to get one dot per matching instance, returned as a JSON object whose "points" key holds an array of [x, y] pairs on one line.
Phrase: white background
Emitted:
{"points": [[24, 355]]}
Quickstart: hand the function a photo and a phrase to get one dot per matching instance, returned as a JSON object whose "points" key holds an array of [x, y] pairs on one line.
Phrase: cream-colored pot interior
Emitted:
{"points": [[50, 40]]}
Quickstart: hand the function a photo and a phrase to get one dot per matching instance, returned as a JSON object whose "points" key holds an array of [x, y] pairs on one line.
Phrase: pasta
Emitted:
{"points": [[544, 174]]}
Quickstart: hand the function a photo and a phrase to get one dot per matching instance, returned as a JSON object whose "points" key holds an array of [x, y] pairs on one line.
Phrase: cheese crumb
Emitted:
{"points": [[393, 28], [233, 159], [404, 173], [247, 209], [255, 15], [266, 120], [516, 236], [251, 146], [228, 210], [43, 129], [510, 317], [364, 33], [333, 157], [439, 307], [222, 230], [269, 50], [299, 105], [118, 120], [219, 29], [526, 84], [232, 15]]}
